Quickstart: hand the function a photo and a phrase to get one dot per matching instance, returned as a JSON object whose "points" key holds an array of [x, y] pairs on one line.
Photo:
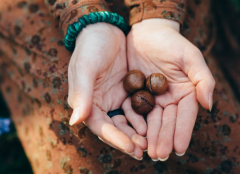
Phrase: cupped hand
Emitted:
{"points": [[96, 69], [155, 46]]}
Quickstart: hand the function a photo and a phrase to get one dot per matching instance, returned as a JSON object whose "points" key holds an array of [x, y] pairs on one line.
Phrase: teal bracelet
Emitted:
{"points": [[94, 17]]}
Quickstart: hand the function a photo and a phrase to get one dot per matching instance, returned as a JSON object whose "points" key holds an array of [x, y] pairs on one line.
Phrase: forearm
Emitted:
{"points": [[69, 11]]}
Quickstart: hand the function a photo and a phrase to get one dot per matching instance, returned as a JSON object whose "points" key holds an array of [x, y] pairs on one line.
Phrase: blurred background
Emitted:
{"points": [[12, 157], [227, 17]]}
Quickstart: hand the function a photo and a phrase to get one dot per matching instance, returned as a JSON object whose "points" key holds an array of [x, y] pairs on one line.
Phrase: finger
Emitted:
{"points": [[115, 99], [100, 127], [140, 141], [186, 117], [136, 120], [198, 72], [165, 140], [70, 87], [121, 123], [83, 88], [154, 120], [138, 153]]}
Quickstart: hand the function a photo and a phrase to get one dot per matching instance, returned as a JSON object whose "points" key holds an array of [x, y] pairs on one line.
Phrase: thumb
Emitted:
{"points": [[82, 98], [198, 72]]}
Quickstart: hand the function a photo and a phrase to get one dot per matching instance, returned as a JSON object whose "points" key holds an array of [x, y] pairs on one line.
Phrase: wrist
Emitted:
{"points": [[99, 30], [158, 23], [94, 17], [95, 29]]}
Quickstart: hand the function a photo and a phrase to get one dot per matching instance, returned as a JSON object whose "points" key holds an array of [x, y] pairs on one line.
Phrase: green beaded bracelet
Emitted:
{"points": [[94, 17]]}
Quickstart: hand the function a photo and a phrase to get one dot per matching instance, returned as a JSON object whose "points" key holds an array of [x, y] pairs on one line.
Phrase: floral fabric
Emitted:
{"points": [[34, 81]]}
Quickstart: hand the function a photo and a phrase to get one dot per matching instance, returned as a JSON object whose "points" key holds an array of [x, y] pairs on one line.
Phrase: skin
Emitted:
{"points": [[156, 46], [96, 69]]}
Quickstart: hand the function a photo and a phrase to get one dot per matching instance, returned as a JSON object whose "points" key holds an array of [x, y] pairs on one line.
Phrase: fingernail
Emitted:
{"points": [[72, 121], [160, 159], [210, 101], [73, 118], [179, 154], [155, 160], [128, 153], [145, 150], [100, 139], [137, 158]]}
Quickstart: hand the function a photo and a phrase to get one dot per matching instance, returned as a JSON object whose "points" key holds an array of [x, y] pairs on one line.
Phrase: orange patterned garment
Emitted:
{"points": [[34, 81]]}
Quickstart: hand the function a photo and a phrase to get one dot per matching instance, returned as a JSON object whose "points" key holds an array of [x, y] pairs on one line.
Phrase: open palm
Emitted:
{"points": [[155, 46], [96, 70]]}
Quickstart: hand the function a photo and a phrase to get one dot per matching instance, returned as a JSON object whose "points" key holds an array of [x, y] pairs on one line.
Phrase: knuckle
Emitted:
{"points": [[196, 52]]}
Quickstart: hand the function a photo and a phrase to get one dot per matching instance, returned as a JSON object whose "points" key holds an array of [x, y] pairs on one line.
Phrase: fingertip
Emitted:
{"points": [[200, 75], [204, 90], [136, 120], [142, 128], [164, 148], [79, 115], [75, 118], [145, 150], [138, 153], [180, 147], [152, 152], [140, 141], [154, 121], [129, 147], [163, 159], [186, 118], [180, 151], [180, 154], [123, 142]]}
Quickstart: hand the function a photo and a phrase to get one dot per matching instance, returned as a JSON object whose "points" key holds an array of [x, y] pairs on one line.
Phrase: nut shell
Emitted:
{"points": [[134, 81], [142, 102], [157, 83]]}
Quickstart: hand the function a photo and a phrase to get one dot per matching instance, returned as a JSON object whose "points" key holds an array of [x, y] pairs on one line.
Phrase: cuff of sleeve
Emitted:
{"points": [[156, 9], [75, 12]]}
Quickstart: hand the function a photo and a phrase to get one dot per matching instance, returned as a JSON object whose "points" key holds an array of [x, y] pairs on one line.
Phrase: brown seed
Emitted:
{"points": [[134, 81], [142, 102], [157, 83]]}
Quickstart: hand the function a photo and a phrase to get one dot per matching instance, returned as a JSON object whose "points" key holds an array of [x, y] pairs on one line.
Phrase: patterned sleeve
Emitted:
{"points": [[68, 11], [146, 9]]}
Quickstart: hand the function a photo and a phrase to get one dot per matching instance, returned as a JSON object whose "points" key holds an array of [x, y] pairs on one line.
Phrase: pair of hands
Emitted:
{"points": [[101, 59]]}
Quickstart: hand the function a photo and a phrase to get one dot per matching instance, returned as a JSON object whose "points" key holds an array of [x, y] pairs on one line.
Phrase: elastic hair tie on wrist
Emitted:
{"points": [[93, 17]]}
